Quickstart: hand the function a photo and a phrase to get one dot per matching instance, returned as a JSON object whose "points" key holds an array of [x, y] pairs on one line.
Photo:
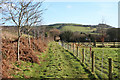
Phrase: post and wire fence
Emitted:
{"points": [[96, 61]]}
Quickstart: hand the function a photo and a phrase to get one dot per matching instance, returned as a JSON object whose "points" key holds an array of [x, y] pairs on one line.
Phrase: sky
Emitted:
{"points": [[86, 13]]}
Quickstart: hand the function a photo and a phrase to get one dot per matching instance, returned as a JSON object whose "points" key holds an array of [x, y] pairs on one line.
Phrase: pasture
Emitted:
{"points": [[78, 28], [101, 66]]}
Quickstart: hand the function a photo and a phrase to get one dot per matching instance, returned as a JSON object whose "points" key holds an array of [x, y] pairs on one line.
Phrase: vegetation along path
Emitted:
{"points": [[59, 63]]}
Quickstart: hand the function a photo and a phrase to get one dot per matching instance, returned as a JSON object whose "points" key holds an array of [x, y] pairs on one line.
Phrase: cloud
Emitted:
{"points": [[69, 6]]}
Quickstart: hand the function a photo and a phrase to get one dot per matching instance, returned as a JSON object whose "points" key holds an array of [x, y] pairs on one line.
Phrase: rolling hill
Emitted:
{"points": [[80, 28]]}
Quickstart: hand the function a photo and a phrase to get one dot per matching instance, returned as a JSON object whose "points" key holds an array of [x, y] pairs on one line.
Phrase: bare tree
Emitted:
{"points": [[33, 21], [22, 14]]}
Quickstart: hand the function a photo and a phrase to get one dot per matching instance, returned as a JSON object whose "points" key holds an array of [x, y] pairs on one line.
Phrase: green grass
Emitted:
{"points": [[55, 63], [101, 60], [103, 54], [78, 28]]}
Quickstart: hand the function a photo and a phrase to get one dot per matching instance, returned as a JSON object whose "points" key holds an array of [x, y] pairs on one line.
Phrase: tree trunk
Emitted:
{"points": [[102, 44], [29, 39], [94, 43], [34, 40], [18, 43], [38, 34]]}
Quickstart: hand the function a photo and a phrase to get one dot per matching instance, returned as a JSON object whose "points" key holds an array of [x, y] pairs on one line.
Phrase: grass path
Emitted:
{"points": [[61, 64], [56, 63]]}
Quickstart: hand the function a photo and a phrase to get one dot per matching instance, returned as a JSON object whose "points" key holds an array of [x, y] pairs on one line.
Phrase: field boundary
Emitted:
{"points": [[73, 48]]}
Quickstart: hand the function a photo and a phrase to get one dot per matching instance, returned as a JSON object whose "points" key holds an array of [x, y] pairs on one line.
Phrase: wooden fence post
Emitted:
{"points": [[67, 46], [114, 43], [73, 47], [64, 45], [110, 68], [90, 51], [70, 46], [77, 50], [83, 55], [93, 61]]}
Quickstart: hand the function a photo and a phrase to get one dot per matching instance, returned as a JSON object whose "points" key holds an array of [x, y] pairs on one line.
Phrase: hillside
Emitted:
{"points": [[80, 27]]}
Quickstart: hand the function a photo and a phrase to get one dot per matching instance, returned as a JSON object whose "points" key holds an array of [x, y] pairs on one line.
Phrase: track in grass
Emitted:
{"points": [[55, 63], [61, 64]]}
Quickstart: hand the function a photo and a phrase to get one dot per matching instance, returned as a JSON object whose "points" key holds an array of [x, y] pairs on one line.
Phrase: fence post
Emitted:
{"points": [[67, 46], [77, 50], [110, 68], [90, 51], [73, 48], [70, 46], [64, 45], [93, 61], [83, 55]]}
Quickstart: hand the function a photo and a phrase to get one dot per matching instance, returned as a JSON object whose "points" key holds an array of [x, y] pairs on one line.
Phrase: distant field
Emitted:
{"points": [[106, 44], [77, 28]]}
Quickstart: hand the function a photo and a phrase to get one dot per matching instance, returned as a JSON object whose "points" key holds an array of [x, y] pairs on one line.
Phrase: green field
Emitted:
{"points": [[78, 28], [58, 62], [101, 60]]}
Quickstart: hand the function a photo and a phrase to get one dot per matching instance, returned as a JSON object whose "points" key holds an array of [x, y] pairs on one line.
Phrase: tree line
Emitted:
{"points": [[110, 35]]}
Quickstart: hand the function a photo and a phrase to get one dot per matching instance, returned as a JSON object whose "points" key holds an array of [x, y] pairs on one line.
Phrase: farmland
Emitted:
{"points": [[59, 62], [55, 63], [101, 60], [77, 28], [58, 41]]}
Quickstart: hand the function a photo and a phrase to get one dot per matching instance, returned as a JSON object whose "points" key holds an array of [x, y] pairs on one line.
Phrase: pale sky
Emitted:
{"points": [[86, 12]]}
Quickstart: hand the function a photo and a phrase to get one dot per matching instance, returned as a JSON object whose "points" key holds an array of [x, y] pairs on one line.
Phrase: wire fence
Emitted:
{"points": [[98, 61]]}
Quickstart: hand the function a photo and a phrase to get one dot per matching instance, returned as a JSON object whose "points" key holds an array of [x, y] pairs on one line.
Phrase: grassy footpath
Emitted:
{"points": [[55, 63]]}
